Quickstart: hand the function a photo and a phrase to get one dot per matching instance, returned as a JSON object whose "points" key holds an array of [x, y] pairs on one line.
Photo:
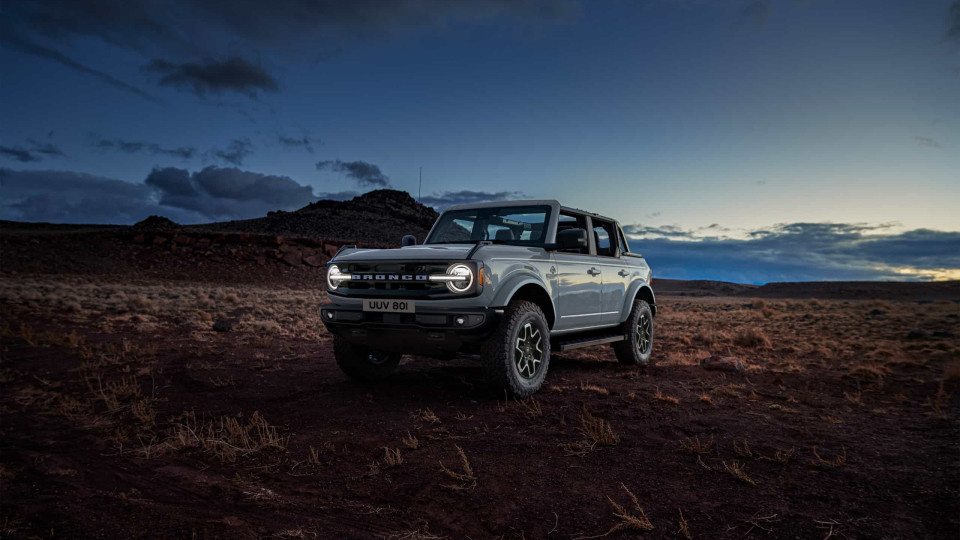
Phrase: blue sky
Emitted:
{"points": [[703, 124]]}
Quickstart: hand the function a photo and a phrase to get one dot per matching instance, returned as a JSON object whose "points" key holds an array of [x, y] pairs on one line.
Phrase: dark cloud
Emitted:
{"points": [[366, 175], [754, 14], [228, 193], [953, 21], [210, 194], [450, 198], [215, 76], [235, 152], [800, 252], [929, 142], [35, 152], [12, 41], [71, 197], [135, 147], [294, 142], [47, 149], [20, 154]]}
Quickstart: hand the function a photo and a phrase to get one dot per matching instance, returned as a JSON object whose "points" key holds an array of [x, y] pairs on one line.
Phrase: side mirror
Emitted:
{"points": [[408, 240], [571, 239]]}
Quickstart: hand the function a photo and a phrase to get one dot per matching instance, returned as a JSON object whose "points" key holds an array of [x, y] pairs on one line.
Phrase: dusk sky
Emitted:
{"points": [[748, 141]]}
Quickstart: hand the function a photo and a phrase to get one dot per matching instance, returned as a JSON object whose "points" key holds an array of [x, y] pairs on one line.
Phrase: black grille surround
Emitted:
{"points": [[413, 288]]}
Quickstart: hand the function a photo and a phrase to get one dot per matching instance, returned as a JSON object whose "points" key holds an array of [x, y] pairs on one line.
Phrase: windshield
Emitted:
{"points": [[521, 225]]}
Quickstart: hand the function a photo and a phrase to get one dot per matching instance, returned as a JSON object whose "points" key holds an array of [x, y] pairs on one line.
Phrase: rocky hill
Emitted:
{"points": [[380, 217]]}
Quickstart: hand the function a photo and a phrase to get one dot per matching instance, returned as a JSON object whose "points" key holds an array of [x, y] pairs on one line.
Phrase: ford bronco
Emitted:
{"points": [[507, 282]]}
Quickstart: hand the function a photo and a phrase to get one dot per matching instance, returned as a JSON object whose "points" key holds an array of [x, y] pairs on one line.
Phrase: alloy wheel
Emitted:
{"points": [[529, 351]]}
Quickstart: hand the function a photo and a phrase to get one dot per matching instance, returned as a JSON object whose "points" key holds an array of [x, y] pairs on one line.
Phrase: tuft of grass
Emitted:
{"points": [[751, 337], [695, 446], [597, 429], [781, 456], [633, 518], [659, 396], [532, 406], [410, 441], [742, 449], [737, 470], [465, 479], [683, 528], [838, 461], [314, 456], [392, 457], [425, 415]]}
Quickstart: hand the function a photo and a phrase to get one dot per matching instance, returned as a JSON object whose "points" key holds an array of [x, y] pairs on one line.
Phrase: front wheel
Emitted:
{"points": [[362, 363], [516, 357], [638, 330]]}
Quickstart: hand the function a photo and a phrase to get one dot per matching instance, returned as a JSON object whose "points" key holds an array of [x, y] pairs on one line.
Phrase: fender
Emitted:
{"points": [[635, 289], [509, 287]]}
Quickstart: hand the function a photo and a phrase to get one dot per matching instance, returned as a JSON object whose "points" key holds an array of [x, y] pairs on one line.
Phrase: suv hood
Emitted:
{"points": [[436, 252]]}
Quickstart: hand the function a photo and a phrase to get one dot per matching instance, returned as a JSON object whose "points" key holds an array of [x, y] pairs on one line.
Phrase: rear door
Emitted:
{"points": [[616, 275], [579, 283]]}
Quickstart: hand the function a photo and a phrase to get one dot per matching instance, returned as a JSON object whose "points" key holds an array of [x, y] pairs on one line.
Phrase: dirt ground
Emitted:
{"points": [[125, 415]]}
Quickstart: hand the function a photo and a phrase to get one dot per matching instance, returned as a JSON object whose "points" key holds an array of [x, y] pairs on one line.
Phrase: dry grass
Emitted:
{"points": [[742, 449], [751, 337], [410, 441], [781, 456], [632, 518], [465, 479], [227, 438], [659, 396], [147, 307], [683, 528], [738, 471], [695, 446], [597, 430], [425, 415], [838, 461], [392, 457]]}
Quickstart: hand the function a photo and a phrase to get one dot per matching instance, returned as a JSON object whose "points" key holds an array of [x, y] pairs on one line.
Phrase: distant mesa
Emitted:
{"points": [[156, 223]]}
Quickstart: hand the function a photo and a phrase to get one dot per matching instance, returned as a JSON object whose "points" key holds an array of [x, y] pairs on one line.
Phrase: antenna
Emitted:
{"points": [[420, 186]]}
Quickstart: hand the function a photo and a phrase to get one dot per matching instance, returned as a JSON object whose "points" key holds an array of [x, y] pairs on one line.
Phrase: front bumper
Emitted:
{"points": [[428, 333]]}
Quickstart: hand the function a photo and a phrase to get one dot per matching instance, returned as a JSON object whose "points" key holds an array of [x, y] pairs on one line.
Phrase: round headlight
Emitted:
{"points": [[460, 285], [334, 277]]}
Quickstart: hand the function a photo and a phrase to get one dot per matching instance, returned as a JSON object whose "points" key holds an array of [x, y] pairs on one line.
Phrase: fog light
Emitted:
{"points": [[330, 315], [460, 321]]}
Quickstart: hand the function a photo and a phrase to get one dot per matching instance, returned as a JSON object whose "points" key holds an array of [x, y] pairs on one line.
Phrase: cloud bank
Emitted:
{"points": [[799, 252], [210, 194]]}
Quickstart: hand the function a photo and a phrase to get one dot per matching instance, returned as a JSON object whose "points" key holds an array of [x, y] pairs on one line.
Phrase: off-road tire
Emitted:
{"points": [[498, 354], [629, 350], [362, 363]]}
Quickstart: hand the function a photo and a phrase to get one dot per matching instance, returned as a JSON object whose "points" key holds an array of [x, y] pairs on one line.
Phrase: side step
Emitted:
{"points": [[564, 346]]}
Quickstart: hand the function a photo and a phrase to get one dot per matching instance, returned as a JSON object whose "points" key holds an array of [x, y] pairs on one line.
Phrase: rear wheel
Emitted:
{"points": [[363, 363], [638, 329], [516, 357]]}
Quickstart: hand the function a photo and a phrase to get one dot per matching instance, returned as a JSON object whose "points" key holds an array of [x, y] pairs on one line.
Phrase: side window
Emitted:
{"points": [[572, 221], [604, 234]]}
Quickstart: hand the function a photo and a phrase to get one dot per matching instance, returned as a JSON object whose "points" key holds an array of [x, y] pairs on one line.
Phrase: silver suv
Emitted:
{"points": [[506, 282]]}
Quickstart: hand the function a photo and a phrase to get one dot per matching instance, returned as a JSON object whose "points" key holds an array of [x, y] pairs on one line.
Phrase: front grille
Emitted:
{"points": [[395, 288]]}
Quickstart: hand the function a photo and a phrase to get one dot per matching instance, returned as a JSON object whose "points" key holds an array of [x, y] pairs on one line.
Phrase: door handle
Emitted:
{"points": [[623, 273], [593, 272]]}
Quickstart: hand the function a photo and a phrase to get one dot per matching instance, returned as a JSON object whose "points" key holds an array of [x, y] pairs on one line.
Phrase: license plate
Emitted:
{"points": [[389, 306]]}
